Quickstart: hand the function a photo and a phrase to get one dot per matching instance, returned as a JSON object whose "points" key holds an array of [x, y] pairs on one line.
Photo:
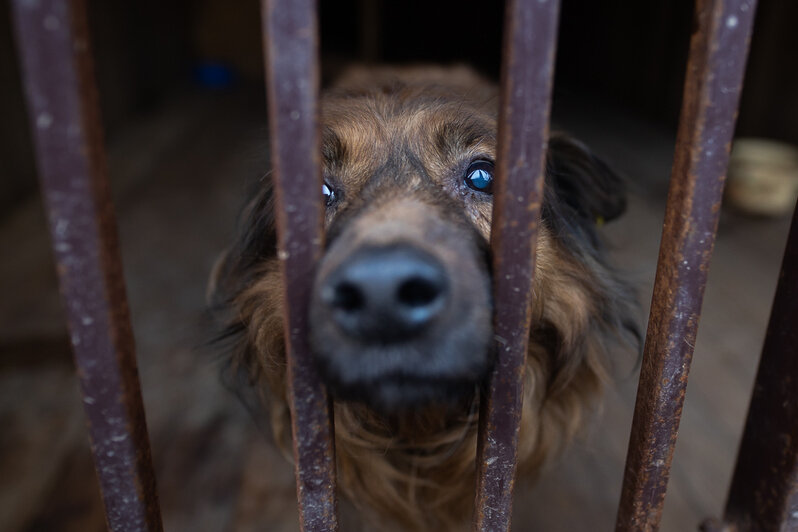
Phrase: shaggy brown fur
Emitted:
{"points": [[416, 470]]}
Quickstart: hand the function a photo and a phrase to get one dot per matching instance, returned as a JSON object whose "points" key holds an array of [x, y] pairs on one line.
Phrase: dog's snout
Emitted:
{"points": [[400, 312], [384, 294]]}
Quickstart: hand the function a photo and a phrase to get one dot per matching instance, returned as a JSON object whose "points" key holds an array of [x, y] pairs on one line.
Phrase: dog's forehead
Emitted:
{"points": [[361, 133]]}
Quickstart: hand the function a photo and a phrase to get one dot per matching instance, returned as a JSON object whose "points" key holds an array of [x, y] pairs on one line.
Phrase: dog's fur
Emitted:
{"points": [[415, 467]]}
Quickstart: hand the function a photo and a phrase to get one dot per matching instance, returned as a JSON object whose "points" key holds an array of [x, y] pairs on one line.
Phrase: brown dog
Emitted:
{"points": [[401, 309]]}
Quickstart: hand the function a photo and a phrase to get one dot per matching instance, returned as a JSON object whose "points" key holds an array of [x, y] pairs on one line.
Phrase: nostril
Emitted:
{"points": [[418, 292], [383, 294], [348, 297]]}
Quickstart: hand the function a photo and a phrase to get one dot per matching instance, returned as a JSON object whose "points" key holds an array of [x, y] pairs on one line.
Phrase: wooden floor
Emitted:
{"points": [[178, 178]]}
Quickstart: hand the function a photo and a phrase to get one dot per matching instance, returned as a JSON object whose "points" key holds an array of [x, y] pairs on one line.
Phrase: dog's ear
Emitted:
{"points": [[255, 242], [583, 181], [235, 272]]}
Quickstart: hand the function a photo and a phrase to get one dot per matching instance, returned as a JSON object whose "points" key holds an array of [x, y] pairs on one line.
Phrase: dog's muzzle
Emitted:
{"points": [[401, 317]]}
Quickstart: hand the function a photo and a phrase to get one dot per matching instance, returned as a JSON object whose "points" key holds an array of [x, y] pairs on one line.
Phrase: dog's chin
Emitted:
{"points": [[397, 378], [400, 394]]}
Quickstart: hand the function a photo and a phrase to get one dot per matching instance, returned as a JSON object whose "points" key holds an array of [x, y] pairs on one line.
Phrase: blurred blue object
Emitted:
{"points": [[214, 74]]}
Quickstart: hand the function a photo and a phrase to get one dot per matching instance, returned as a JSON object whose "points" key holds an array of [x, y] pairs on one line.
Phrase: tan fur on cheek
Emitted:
{"points": [[563, 382], [260, 308]]}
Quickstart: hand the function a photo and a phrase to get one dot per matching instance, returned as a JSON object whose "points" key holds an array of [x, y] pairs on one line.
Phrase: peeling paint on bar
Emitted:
{"points": [[292, 80], [52, 37], [527, 72], [718, 52]]}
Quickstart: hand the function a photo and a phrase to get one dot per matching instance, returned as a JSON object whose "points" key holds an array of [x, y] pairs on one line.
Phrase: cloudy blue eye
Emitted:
{"points": [[329, 194], [479, 176]]}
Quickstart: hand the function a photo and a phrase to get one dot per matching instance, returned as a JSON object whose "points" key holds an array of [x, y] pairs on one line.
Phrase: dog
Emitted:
{"points": [[401, 307]]}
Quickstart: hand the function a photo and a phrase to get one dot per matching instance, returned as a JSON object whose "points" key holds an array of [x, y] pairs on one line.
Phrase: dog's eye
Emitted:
{"points": [[328, 193], [479, 176]]}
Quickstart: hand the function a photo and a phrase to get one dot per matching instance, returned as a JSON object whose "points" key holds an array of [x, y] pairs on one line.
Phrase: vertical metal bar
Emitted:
{"points": [[292, 80], [718, 51], [527, 72], [764, 490], [53, 42]]}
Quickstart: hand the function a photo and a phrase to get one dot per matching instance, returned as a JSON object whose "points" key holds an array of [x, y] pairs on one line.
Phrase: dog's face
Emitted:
{"points": [[401, 307], [400, 317]]}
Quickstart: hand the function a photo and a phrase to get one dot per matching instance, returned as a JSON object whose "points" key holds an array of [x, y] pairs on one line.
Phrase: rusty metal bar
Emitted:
{"points": [[718, 51], [53, 43], [527, 70], [764, 489], [292, 80]]}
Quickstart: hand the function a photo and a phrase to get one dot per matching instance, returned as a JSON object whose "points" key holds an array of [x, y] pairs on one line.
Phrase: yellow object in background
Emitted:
{"points": [[763, 177]]}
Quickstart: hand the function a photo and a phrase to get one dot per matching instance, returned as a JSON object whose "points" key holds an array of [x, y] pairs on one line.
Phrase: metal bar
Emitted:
{"points": [[292, 80], [718, 51], [764, 489], [53, 43], [527, 71]]}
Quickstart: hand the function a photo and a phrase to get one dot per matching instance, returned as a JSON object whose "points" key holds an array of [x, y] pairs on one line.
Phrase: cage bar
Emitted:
{"points": [[53, 43], [527, 71], [292, 81], [764, 489], [716, 63]]}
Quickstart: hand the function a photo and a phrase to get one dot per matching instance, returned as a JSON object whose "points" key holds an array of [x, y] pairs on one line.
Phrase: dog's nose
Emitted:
{"points": [[386, 294]]}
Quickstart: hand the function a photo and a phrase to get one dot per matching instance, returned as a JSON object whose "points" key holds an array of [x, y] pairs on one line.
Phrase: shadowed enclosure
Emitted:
{"points": [[63, 113]]}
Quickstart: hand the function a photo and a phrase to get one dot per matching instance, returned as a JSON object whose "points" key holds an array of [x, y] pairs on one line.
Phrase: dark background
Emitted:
{"points": [[628, 54]]}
